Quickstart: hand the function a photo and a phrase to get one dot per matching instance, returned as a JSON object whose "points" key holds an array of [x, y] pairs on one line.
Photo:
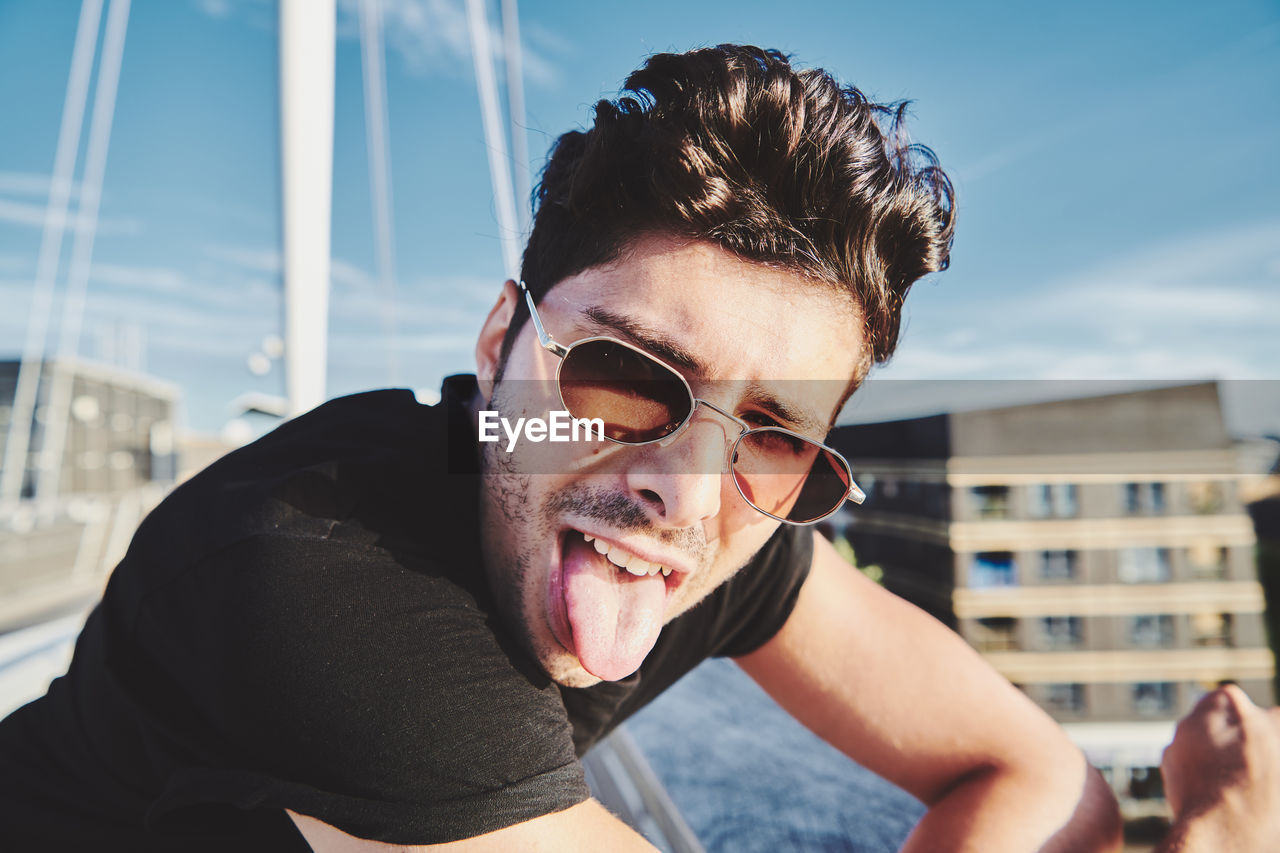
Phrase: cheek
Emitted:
{"points": [[743, 532]]}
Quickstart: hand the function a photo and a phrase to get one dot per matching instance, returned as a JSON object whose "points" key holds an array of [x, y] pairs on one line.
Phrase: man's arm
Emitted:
{"points": [[902, 695], [585, 828]]}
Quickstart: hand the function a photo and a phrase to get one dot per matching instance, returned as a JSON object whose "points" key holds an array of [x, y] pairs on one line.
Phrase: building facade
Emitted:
{"points": [[80, 502], [1096, 551], [120, 431]]}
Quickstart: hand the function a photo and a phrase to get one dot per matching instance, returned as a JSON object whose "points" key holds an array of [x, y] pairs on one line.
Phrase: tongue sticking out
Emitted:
{"points": [[615, 616]]}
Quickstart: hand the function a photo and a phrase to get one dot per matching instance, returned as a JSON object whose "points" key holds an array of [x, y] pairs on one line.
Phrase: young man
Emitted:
{"points": [[373, 628]]}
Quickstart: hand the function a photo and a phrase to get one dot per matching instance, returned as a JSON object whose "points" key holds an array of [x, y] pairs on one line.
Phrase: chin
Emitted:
{"points": [[565, 670], [571, 674]]}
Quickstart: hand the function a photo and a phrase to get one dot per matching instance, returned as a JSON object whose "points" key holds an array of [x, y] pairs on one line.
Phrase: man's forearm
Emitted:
{"points": [[994, 810]]}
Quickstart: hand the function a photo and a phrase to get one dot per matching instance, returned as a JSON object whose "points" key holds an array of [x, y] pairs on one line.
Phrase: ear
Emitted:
{"points": [[492, 333]]}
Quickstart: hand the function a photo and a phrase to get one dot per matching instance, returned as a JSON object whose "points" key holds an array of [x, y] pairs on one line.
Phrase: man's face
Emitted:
{"points": [[749, 336]]}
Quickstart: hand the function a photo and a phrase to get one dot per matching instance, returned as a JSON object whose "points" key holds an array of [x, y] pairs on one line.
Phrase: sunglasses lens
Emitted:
{"points": [[789, 477], [638, 399]]}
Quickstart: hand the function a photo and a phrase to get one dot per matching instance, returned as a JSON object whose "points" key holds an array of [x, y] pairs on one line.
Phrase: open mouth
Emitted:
{"points": [[608, 604], [624, 559]]}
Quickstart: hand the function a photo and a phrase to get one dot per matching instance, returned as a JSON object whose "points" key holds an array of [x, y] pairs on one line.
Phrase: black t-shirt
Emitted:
{"points": [[306, 625]]}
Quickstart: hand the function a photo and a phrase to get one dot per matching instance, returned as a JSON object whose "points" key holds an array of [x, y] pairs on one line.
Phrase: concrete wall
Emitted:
{"points": [[1178, 418]]}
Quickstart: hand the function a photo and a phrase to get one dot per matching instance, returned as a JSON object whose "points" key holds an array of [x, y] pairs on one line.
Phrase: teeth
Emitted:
{"points": [[626, 560]]}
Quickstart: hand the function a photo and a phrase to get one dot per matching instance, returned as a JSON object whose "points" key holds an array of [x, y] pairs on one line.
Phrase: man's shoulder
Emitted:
{"points": [[350, 475], [383, 422], [317, 458]]}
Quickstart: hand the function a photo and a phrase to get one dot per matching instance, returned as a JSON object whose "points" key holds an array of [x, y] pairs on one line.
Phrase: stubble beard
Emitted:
{"points": [[519, 592]]}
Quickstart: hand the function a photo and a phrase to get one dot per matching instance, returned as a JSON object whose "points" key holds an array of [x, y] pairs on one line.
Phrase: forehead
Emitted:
{"points": [[741, 320]]}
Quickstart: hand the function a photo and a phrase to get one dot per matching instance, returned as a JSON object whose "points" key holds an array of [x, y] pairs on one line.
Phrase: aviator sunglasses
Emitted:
{"points": [[642, 400]]}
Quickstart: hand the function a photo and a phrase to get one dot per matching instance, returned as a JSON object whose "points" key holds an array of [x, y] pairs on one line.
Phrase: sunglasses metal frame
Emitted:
{"points": [[853, 493]]}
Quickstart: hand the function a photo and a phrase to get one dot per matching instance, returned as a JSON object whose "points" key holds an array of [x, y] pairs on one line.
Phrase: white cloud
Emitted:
{"points": [[30, 184], [428, 36], [15, 295], [168, 323], [254, 260], [432, 35], [11, 263], [1205, 306], [146, 278], [1240, 256], [33, 216], [215, 8], [1011, 152], [372, 346], [422, 32], [261, 14], [350, 276]]}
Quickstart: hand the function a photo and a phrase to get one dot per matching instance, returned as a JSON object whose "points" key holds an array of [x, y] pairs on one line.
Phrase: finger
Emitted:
{"points": [[1238, 699]]}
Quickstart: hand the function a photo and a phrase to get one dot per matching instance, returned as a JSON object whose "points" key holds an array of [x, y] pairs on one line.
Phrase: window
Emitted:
{"points": [[1143, 565], [1040, 501], [993, 568], [996, 634], [1061, 632], [1052, 501], [1151, 631], [1146, 783], [990, 501], [1211, 629], [1206, 498], [1208, 560], [1057, 565], [1064, 499], [1132, 500], [1064, 697], [1143, 498], [1153, 697]]}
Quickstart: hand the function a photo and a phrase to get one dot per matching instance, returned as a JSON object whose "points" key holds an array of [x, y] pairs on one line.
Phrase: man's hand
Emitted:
{"points": [[1222, 776]]}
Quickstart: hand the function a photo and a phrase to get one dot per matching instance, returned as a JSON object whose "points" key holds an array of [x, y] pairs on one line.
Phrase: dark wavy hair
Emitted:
{"points": [[733, 146]]}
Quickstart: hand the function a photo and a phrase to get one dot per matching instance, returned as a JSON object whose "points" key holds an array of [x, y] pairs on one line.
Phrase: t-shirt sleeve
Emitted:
{"points": [[389, 707], [753, 605]]}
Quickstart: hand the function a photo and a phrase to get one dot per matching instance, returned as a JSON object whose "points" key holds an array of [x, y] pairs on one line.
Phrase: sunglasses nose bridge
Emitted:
{"points": [[729, 441]]}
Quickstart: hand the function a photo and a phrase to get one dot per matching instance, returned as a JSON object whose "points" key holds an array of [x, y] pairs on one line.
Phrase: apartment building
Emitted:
{"points": [[118, 428], [1095, 550], [92, 471]]}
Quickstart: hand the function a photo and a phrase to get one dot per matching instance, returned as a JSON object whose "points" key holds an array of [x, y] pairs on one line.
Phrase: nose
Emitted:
{"points": [[680, 483]]}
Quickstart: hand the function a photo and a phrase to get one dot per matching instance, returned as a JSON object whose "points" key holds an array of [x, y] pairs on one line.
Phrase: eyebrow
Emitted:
{"points": [[782, 411], [670, 351], [655, 342]]}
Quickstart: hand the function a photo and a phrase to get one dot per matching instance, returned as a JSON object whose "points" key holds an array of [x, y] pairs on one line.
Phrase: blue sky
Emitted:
{"points": [[1115, 163]]}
